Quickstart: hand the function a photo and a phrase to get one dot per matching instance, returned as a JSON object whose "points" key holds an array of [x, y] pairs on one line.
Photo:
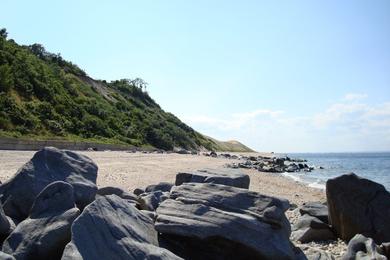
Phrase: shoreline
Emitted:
{"points": [[137, 170]]}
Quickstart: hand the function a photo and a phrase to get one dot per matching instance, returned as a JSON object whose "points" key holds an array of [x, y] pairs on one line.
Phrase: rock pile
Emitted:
{"points": [[268, 164]]}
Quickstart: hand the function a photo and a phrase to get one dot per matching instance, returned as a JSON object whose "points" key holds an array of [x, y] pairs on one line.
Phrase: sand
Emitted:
{"points": [[137, 170]]}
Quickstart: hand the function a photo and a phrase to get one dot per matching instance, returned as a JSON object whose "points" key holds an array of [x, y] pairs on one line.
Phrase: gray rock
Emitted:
{"points": [[138, 191], [120, 193], [358, 206], [151, 200], [318, 254], [44, 234], [211, 221], [363, 248], [5, 225], [386, 249], [4, 256], [111, 228], [48, 165], [229, 177], [309, 228], [315, 209], [162, 186]]}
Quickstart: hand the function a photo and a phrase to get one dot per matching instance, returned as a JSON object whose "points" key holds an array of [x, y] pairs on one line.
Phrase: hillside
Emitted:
{"points": [[229, 146], [43, 96]]}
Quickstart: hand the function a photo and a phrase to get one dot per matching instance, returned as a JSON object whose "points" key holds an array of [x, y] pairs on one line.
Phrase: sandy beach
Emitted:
{"points": [[137, 170]]}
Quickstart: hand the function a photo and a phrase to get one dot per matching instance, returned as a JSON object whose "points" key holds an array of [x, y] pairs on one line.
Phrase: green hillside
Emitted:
{"points": [[43, 96]]}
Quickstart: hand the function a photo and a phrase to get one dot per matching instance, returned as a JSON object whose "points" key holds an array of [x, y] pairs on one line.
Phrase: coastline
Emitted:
{"points": [[134, 170], [137, 170]]}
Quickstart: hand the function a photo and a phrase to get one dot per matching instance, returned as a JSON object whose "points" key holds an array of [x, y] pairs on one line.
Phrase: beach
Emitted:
{"points": [[137, 170]]}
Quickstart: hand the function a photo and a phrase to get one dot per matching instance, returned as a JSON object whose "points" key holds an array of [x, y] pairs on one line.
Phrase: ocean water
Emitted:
{"points": [[373, 166]]}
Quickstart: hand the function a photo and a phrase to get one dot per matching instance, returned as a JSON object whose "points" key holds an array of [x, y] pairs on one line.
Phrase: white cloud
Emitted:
{"points": [[344, 126], [354, 96]]}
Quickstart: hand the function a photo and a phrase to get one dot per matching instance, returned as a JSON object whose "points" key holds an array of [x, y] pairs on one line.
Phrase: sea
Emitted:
{"points": [[373, 166]]}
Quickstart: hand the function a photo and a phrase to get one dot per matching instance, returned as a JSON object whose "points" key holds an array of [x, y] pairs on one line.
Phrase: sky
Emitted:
{"points": [[282, 76]]}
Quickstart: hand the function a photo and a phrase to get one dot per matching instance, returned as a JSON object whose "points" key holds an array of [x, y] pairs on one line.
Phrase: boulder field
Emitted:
{"points": [[53, 209]]}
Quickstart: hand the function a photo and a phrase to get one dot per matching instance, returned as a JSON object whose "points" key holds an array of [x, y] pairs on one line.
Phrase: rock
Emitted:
{"points": [[5, 225], [151, 200], [44, 234], [292, 167], [162, 186], [229, 177], [212, 221], [315, 209], [358, 206], [361, 247], [138, 191], [309, 228], [318, 254], [123, 233], [120, 193], [213, 154], [48, 165], [4, 256], [386, 249]]}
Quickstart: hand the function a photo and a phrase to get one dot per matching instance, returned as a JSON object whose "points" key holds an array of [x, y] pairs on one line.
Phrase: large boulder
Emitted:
{"points": [[44, 234], [309, 228], [162, 186], [48, 165], [109, 190], [315, 209], [229, 177], [363, 248], [151, 200], [358, 206], [5, 225], [111, 228], [212, 221]]}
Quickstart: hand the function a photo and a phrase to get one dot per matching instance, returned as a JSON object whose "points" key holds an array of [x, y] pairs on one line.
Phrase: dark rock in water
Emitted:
{"points": [[211, 221], [358, 206], [309, 228], [138, 191], [361, 247], [120, 193], [229, 177], [315, 209], [44, 234], [49, 165], [162, 186], [4, 256], [151, 200], [111, 228]]}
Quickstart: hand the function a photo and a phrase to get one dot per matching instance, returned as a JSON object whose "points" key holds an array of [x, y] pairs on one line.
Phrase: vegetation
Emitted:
{"points": [[42, 96]]}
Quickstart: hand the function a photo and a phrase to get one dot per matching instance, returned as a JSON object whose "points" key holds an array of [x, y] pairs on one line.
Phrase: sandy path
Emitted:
{"points": [[132, 170]]}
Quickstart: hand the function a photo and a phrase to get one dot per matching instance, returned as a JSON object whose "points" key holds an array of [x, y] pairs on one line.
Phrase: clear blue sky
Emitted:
{"points": [[277, 75]]}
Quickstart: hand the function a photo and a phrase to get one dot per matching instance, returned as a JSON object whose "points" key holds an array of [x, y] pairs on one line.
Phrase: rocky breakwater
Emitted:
{"points": [[269, 164]]}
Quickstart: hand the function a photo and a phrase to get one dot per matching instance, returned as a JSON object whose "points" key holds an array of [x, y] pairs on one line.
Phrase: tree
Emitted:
{"points": [[3, 33], [38, 50]]}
